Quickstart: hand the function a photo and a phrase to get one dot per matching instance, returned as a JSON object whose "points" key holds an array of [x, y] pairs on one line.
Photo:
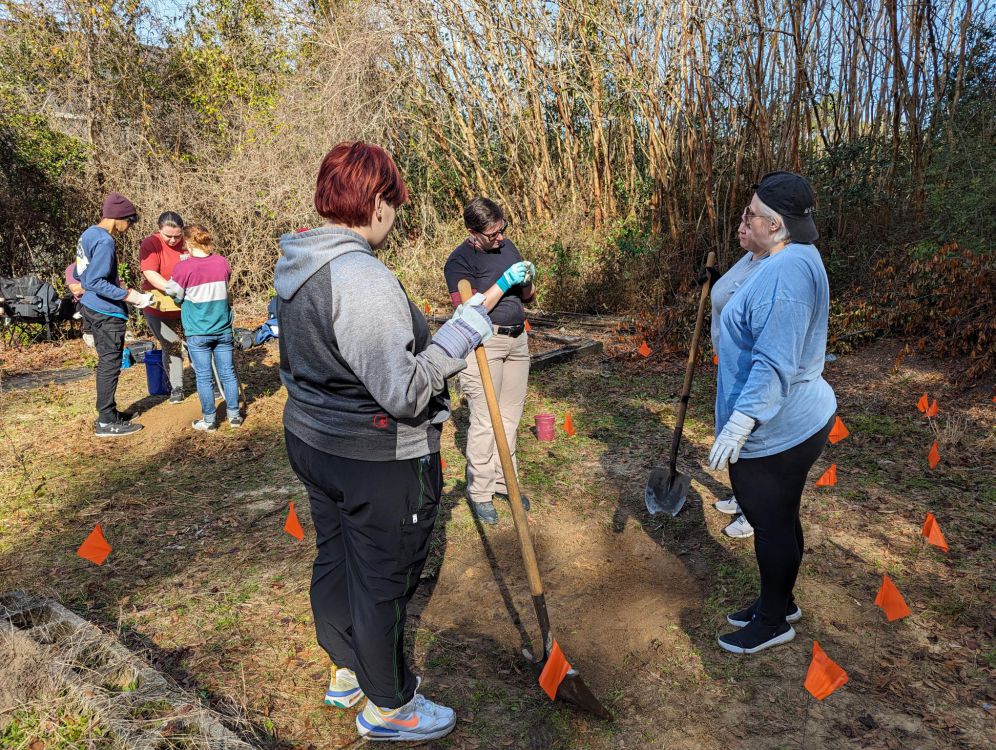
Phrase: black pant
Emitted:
{"points": [[769, 491], [373, 521], [108, 339]]}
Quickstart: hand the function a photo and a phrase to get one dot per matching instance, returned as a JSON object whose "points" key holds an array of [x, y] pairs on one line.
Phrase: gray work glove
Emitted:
{"points": [[730, 440], [469, 327]]}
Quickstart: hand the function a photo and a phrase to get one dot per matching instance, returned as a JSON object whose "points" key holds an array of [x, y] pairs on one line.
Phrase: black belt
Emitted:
{"points": [[513, 331]]}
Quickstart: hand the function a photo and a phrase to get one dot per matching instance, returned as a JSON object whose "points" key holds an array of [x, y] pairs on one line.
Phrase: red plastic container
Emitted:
{"points": [[545, 427]]}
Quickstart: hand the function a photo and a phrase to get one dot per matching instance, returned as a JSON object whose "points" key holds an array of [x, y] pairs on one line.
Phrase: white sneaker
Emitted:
{"points": [[418, 720], [344, 689], [729, 506], [740, 528]]}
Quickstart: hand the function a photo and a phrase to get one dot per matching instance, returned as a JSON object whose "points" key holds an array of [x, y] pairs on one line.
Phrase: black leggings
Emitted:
{"points": [[769, 491]]}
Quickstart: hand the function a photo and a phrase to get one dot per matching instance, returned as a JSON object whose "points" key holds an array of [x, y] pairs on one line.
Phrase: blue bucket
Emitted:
{"points": [[155, 373]]}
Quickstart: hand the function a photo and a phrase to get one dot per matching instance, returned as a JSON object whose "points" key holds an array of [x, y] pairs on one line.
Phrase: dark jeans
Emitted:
{"points": [[108, 339], [217, 348], [373, 521], [769, 491]]}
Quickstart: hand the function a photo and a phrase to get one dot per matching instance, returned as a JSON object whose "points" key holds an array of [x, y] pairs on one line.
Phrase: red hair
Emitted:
{"points": [[349, 180]]}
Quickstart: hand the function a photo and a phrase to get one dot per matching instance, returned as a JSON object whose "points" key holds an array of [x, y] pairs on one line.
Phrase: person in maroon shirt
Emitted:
{"points": [[158, 254]]}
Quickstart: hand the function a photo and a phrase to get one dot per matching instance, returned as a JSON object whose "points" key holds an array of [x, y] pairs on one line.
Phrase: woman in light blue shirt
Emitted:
{"points": [[774, 410]]}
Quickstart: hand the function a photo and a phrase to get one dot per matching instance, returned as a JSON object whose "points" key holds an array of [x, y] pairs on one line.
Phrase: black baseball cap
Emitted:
{"points": [[791, 196]]}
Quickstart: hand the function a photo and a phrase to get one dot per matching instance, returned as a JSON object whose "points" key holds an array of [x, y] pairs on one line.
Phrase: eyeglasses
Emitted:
{"points": [[748, 216], [491, 236]]}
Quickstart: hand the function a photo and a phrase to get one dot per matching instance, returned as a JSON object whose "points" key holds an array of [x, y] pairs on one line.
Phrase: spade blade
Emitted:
{"points": [[666, 492]]}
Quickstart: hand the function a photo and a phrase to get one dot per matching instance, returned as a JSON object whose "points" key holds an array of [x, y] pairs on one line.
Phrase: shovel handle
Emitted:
{"points": [[507, 467], [686, 387]]}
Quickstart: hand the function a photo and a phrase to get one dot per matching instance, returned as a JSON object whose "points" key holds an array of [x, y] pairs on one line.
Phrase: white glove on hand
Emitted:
{"points": [[144, 300], [730, 440]]}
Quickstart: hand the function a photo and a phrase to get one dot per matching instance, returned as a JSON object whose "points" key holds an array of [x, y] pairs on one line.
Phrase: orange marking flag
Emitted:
{"points": [[923, 403], [95, 548], [715, 359], [932, 531], [934, 457], [829, 478], [554, 671], [932, 409], [428, 310], [644, 350], [839, 431], [891, 601], [527, 327], [824, 675], [569, 424], [292, 526], [442, 463]]}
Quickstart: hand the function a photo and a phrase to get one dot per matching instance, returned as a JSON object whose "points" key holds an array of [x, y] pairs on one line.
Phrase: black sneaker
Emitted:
{"points": [[743, 618], [115, 429], [124, 416], [504, 496], [756, 636], [484, 512], [176, 396]]}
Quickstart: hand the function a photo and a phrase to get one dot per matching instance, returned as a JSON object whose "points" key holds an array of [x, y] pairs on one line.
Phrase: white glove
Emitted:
{"points": [[144, 300], [730, 440]]}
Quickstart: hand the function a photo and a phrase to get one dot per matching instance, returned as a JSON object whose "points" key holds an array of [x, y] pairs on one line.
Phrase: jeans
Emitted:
{"points": [[108, 337], [217, 347]]}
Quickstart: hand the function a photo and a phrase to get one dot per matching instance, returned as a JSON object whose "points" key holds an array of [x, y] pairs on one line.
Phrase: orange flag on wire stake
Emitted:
{"points": [[427, 309], [839, 431], [891, 601], [554, 671], [923, 403], [292, 526], [527, 327], [95, 547], [569, 425], [932, 531], [824, 675], [932, 409], [644, 350], [829, 478], [715, 359], [934, 457], [442, 463]]}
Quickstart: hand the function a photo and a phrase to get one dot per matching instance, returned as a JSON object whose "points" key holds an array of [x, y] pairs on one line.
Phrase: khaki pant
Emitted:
{"points": [[508, 360]]}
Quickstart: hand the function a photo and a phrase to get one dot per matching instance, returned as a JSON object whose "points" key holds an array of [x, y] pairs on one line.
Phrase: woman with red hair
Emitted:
{"points": [[366, 401]]}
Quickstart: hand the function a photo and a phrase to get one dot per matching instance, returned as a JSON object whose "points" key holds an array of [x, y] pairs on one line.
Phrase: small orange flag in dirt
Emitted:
{"points": [[95, 547], [292, 526], [715, 359], [839, 431], [442, 463], [569, 425], [527, 327], [824, 675], [829, 478], [891, 601], [554, 670], [932, 531], [644, 350], [932, 409], [923, 403], [427, 309], [934, 456]]}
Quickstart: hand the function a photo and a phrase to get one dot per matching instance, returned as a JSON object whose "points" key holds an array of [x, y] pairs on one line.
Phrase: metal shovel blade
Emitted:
{"points": [[573, 689], [666, 492]]}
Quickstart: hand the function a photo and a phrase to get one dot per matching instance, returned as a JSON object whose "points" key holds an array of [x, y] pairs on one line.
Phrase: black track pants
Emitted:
{"points": [[108, 339], [373, 521], [769, 491]]}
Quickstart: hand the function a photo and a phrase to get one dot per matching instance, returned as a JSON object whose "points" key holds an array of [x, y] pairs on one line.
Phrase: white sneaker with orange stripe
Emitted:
{"points": [[419, 719], [344, 691]]}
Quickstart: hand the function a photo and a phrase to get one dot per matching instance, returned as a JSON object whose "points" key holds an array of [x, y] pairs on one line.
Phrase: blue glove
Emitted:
{"points": [[469, 327], [730, 440], [522, 272]]}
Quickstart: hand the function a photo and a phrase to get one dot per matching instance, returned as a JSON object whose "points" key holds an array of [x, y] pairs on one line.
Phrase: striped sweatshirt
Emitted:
{"points": [[200, 285]]}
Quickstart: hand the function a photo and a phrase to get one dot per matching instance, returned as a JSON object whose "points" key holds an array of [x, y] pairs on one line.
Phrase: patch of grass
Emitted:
{"points": [[65, 729], [869, 423]]}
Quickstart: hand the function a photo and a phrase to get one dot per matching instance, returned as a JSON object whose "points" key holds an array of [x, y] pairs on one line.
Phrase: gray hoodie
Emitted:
{"points": [[363, 378]]}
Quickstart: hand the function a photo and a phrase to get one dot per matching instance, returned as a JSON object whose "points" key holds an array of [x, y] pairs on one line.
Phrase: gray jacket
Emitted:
{"points": [[363, 378]]}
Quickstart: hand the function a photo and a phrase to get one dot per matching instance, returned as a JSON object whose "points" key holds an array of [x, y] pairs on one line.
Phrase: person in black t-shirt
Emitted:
{"points": [[487, 259]]}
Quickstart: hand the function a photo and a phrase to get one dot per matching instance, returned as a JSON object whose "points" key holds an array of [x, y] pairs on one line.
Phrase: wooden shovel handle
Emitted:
{"points": [[686, 387], [507, 467]]}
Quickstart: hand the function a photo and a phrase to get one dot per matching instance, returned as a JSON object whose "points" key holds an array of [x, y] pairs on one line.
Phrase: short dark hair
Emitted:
{"points": [[351, 176], [481, 213], [170, 219]]}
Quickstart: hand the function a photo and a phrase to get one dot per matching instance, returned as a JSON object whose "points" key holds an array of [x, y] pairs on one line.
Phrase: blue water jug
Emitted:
{"points": [[126, 358], [155, 373]]}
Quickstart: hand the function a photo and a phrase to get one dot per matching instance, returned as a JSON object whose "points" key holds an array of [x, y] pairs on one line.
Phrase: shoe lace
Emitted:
{"points": [[423, 705]]}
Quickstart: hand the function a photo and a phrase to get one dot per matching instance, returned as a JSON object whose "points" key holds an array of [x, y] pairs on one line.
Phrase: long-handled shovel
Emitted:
{"points": [[571, 687], [667, 489]]}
